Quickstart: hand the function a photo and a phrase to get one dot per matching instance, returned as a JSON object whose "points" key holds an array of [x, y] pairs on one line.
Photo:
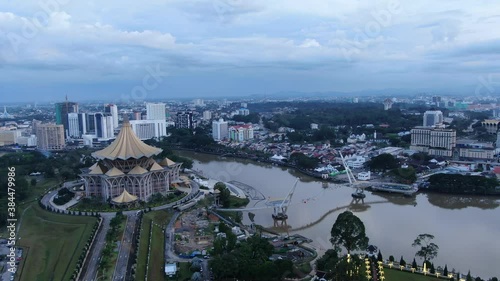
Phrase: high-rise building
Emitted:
{"points": [[9, 137], [432, 118], [62, 111], [241, 132], [184, 120], [219, 129], [199, 102], [50, 137], [90, 123], [112, 109], [73, 125], [82, 124], [388, 104], [147, 129], [103, 126], [137, 115], [155, 111], [243, 111], [207, 115], [244, 105], [434, 141]]}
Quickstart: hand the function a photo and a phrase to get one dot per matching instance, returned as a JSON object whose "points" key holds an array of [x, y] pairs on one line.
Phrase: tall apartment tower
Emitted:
{"points": [[50, 137], [432, 118], [184, 120], [112, 110], [155, 111], [62, 111], [219, 130]]}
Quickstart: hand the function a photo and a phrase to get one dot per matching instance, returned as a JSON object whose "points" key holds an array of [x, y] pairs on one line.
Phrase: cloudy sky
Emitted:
{"points": [[201, 48]]}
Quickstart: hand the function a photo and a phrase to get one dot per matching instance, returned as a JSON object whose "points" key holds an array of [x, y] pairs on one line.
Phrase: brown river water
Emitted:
{"points": [[466, 228]]}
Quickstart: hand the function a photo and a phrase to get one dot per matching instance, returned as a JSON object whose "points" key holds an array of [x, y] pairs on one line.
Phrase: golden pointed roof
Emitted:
{"points": [[137, 170], [126, 145], [96, 169], [167, 162], [156, 167], [114, 172], [125, 197]]}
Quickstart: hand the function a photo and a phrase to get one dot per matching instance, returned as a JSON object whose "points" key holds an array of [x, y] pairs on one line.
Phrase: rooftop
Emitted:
{"points": [[126, 145]]}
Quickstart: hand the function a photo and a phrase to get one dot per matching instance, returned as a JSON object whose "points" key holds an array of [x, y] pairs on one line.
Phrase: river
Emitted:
{"points": [[466, 228]]}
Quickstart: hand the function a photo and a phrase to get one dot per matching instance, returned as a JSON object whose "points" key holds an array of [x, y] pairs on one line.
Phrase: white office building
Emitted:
{"points": [[434, 141], [207, 115], [147, 129], [112, 109], [432, 118], [155, 111], [73, 126], [219, 129]]}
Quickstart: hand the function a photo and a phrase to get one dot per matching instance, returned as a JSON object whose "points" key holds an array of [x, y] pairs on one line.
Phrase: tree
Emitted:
{"points": [[428, 250], [445, 270], [391, 258], [33, 182], [414, 263], [402, 261], [349, 231], [379, 256], [383, 162]]}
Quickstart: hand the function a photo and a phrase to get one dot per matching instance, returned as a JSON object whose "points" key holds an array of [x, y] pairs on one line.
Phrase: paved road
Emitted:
{"points": [[90, 274], [125, 248], [170, 256], [95, 252]]}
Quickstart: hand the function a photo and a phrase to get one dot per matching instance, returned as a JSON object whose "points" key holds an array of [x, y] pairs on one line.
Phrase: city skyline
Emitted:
{"points": [[171, 49]]}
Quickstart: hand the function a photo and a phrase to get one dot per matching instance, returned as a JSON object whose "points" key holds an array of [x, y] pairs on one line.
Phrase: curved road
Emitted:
{"points": [[92, 262]]}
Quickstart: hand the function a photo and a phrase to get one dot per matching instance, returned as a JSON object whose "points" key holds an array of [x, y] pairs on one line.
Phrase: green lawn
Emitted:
{"points": [[53, 242], [142, 256], [157, 256], [184, 272], [397, 275], [161, 217]]}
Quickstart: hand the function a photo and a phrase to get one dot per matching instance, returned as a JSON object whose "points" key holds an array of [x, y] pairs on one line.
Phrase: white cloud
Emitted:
{"points": [[123, 36]]}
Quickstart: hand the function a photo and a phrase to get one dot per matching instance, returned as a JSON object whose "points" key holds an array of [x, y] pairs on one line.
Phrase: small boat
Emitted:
{"points": [[359, 195]]}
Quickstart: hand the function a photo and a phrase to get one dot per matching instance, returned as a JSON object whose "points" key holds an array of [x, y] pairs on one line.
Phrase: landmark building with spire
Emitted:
{"points": [[127, 167]]}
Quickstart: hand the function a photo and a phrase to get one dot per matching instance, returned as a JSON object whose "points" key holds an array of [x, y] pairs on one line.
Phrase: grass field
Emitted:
{"points": [[397, 275], [53, 242], [142, 256], [157, 256], [156, 270]]}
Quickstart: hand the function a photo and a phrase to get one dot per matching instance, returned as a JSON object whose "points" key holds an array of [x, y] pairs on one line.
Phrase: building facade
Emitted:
{"points": [[50, 137], [207, 115], [127, 165], [184, 120], [432, 118], [434, 141], [155, 111], [219, 130], [241, 133], [112, 110], [62, 110], [9, 137], [147, 129], [491, 125]]}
